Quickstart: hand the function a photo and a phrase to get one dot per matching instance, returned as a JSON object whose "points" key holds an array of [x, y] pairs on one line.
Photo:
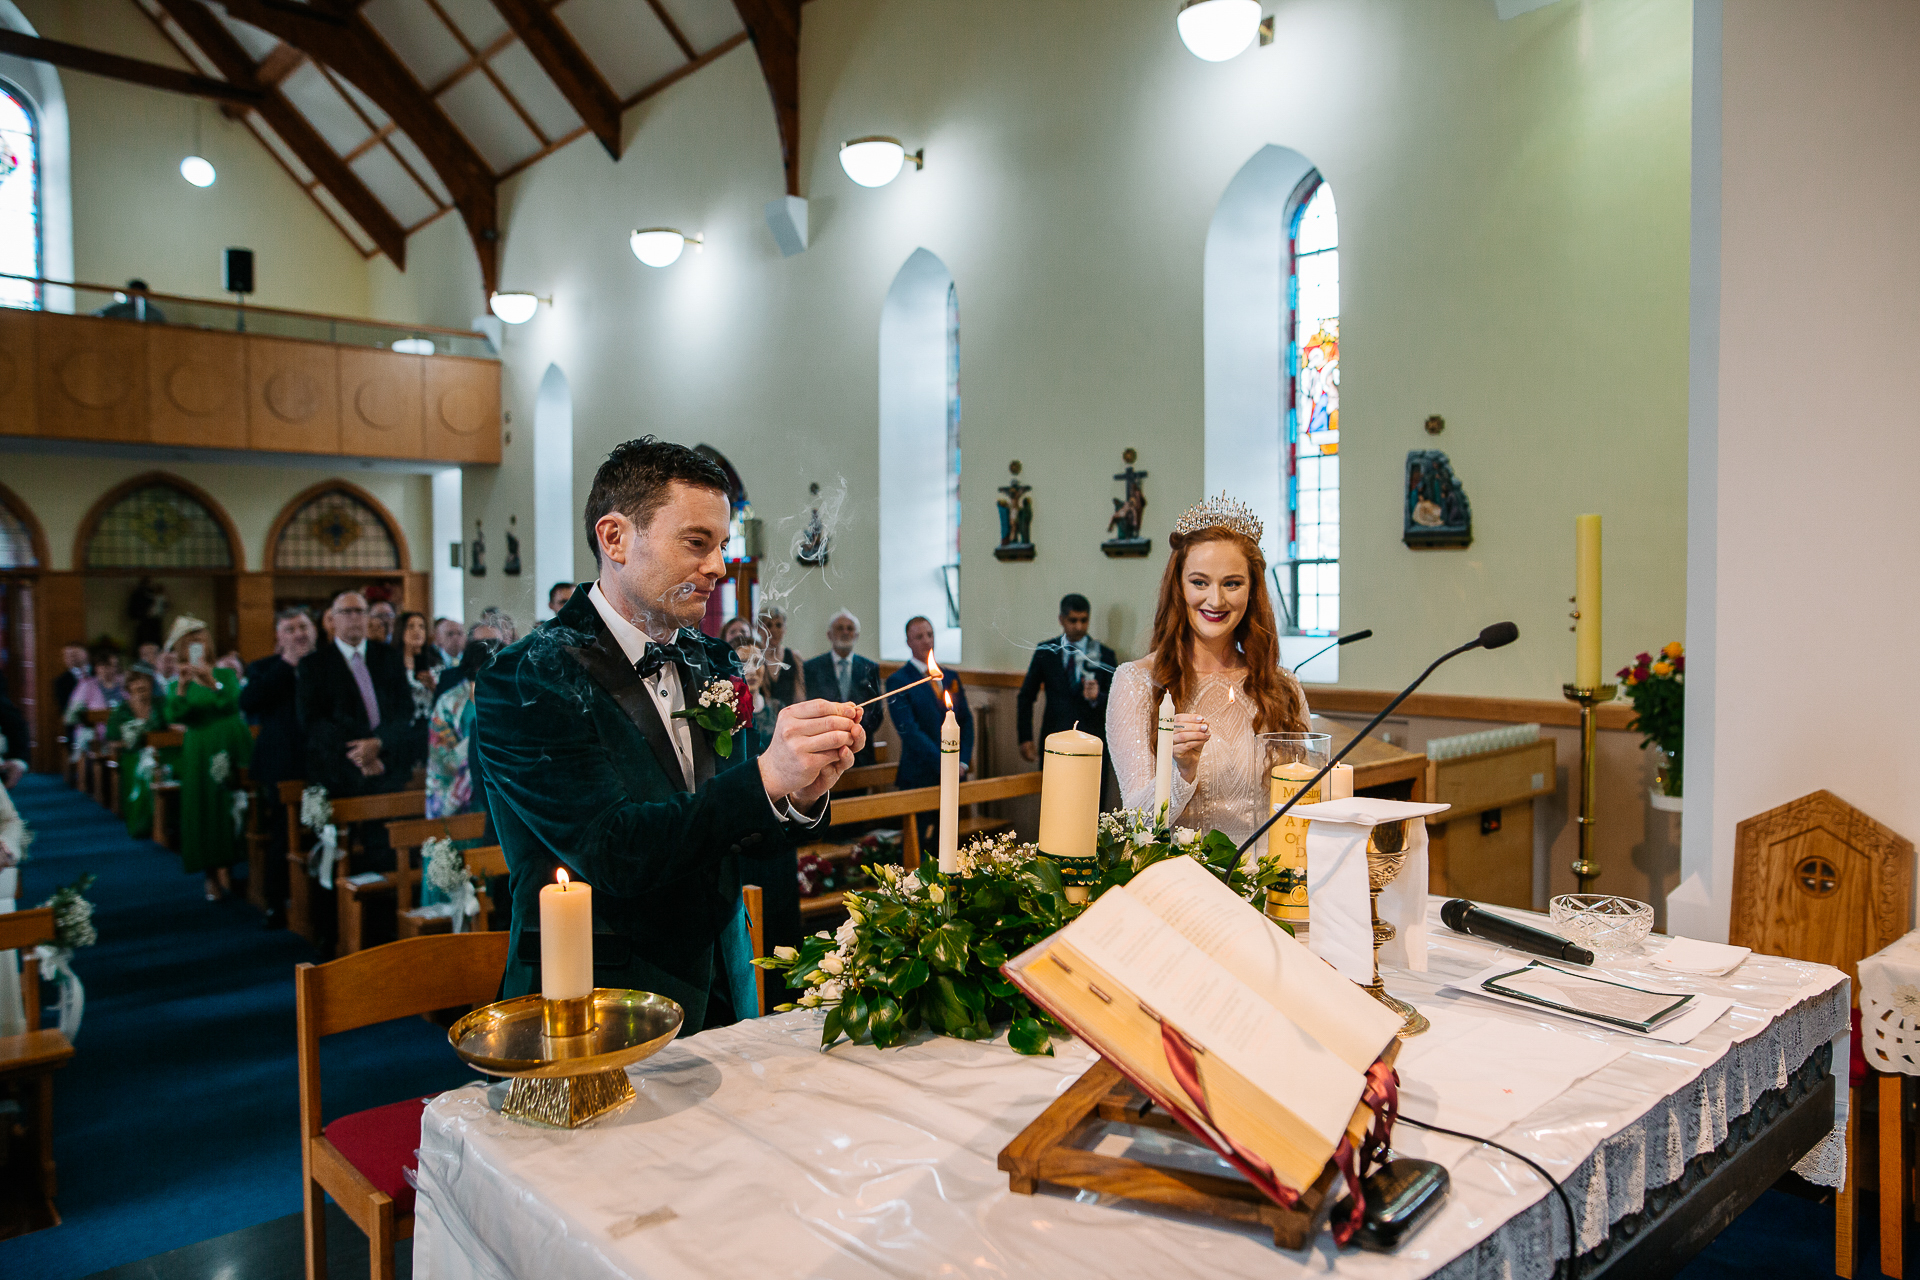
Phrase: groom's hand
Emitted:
{"points": [[813, 744]]}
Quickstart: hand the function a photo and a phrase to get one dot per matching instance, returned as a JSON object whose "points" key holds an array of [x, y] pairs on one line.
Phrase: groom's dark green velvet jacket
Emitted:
{"points": [[578, 769]]}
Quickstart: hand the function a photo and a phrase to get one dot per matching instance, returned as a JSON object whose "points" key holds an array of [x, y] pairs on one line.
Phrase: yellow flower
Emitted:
{"points": [[1674, 649], [1662, 668]]}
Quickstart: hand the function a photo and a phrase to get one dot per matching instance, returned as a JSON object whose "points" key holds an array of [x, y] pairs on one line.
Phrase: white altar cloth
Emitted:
{"points": [[750, 1152]]}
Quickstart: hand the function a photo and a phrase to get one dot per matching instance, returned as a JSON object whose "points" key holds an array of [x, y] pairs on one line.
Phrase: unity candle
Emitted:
{"points": [[1163, 762], [1070, 807], [1586, 602], [1287, 841], [566, 939], [949, 791]]}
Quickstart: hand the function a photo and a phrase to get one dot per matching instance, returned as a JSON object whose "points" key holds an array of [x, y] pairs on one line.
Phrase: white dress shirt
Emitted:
{"points": [[351, 651]]}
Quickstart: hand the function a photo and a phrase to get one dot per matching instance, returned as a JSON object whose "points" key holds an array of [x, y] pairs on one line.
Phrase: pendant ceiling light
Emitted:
{"points": [[515, 308], [198, 171], [660, 246], [876, 161], [1218, 29]]}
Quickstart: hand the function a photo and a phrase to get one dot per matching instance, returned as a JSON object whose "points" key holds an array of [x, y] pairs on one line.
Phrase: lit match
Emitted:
{"points": [[933, 673]]}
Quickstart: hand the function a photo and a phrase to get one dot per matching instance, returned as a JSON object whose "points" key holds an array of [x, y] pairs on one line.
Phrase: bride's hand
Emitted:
{"points": [[1190, 737]]}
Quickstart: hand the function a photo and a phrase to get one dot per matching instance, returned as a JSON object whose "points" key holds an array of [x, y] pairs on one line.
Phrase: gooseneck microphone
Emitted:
{"points": [[1358, 635], [1493, 637], [1476, 921]]}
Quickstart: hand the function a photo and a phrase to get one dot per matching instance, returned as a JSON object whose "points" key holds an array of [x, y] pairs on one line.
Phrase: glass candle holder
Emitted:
{"points": [[1292, 760]]}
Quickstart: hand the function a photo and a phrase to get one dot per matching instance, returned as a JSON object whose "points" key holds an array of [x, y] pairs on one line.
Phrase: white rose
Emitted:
{"points": [[831, 992], [1185, 835], [834, 964], [786, 953]]}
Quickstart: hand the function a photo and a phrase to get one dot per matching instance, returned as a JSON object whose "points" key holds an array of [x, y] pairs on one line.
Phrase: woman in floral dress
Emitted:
{"points": [[206, 703]]}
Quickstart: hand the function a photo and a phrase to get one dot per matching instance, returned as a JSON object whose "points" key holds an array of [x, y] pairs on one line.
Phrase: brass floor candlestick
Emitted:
{"points": [[1589, 699], [567, 1058], [1386, 854]]}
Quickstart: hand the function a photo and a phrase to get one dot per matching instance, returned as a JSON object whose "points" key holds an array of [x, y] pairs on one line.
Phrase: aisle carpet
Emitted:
{"points": [[177, 1119]]}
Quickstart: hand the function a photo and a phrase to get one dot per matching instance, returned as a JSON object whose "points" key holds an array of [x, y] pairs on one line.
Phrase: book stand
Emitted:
{"points": [[1042, 1152]]}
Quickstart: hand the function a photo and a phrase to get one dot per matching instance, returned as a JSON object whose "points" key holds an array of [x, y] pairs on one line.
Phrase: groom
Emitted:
{"points": [[585, 765]]}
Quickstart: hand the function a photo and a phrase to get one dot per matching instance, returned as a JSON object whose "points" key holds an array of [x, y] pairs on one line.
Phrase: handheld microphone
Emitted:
{"points": [[1475, 921], [1358, 635], [1493, 637]]}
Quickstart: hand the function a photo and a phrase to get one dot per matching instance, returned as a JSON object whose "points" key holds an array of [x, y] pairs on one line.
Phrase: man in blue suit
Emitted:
{"points": [[919, 713]]}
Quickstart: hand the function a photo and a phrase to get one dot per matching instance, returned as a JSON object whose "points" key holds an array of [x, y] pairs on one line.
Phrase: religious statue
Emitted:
{"points": [[1128, 512], [478, 567], [1438, 513], [1016, 518], [511, 567], [147, 608], [814, 544]]}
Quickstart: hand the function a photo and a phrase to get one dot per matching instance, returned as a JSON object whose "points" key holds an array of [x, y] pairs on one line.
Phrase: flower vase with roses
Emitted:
{"points": [[725, 707], [1658, 689]]}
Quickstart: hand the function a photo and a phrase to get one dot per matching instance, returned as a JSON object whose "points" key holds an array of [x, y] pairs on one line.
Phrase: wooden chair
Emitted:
{"points": [[299, 883], [755, 898], [488, 863], [1819, 880], [361, 1160], [407, 838], [28, 1060], [351, 891]]}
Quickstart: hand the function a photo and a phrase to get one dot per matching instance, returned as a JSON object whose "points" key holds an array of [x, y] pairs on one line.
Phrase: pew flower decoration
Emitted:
{"points": [[72, 928], [316, 811], [220, 768], [446, 871], [316, 815], [725, 707], [1656, 685], [130, 733]]}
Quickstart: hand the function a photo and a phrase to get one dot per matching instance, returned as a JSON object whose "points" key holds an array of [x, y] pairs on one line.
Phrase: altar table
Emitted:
{"points": [[749, 1152]]}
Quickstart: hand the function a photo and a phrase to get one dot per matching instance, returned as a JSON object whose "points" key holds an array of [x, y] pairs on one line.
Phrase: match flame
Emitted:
{"points": [[933, 668], [561, 877]]}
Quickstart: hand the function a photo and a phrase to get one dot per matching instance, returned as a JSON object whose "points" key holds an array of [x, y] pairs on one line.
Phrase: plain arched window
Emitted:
{"points": [[20, 238], [920, 457], [1313, 411]]}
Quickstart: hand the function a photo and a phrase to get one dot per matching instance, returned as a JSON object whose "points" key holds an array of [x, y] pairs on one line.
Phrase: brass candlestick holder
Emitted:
{"points": [[1386, 854], [567, 1059], [1585, 868]]}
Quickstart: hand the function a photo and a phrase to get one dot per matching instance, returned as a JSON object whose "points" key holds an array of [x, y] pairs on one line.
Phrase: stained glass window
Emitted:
{"points": [[1313, 412], [336, 531], [16, 542], [158, 527], [19, 199]]}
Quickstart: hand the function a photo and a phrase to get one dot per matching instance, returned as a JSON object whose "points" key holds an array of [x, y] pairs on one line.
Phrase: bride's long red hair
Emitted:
{"points": [[1279, 705]]}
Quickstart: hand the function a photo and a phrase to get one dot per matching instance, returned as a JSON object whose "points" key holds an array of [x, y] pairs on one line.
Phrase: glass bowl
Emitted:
{"points": [[1602, 923]]}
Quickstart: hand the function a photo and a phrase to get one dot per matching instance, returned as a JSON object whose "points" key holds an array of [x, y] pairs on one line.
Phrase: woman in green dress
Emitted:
{"points": [[206, 703], [128, 727]]}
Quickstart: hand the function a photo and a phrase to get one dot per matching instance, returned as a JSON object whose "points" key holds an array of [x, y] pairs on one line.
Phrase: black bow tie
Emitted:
{"points": [[682, 653]]}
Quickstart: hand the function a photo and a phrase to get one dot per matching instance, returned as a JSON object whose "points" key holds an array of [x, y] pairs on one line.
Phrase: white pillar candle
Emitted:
{"points": [[1586, 602], [1070, 804], [949, 791], [566, 939], [1163, 762], [1340, 782]]}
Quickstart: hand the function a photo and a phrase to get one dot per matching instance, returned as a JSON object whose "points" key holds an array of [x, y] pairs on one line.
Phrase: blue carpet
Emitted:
{"points": [[177, 1119]]}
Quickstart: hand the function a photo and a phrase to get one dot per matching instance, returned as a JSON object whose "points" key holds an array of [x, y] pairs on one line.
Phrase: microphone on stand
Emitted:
{"points": [[1494, 637], [1358, 635], [1475, 921]]}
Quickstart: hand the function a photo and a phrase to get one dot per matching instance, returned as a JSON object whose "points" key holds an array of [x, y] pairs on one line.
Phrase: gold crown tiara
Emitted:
{"points": [[1220, 513]]}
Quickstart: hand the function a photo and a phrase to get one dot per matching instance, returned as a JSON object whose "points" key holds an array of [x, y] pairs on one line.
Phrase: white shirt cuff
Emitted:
{"points": [[785, 811]]}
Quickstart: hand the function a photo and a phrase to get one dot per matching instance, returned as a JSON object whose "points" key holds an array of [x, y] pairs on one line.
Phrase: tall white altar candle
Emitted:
{"points": [[1163, 762], [949, 791], [566, 939], [1586, 602], [1070, 804]]}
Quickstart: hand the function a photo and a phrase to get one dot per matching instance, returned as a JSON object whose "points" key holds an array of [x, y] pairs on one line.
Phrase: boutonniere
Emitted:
{"points": [[725, 708]]}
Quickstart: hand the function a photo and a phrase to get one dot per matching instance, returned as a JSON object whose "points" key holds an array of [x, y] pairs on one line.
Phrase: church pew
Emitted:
{"points": [[31, 1058], [901, 804]]}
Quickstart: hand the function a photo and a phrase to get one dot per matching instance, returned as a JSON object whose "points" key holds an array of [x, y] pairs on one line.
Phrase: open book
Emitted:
{"points": [[1282, 1041]]}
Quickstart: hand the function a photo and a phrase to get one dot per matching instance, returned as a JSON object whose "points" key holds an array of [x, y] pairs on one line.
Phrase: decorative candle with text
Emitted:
{"points": [[1163, 762], [1287, 841], [1070, 807], [566, 939], [1586, 602], [949, 790]]}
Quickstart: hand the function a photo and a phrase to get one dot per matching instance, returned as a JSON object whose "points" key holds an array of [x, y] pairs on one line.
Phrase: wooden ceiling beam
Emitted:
{"points": [[774, 28], [231, 59], [154, 75], [568, 66], [343, 40]]}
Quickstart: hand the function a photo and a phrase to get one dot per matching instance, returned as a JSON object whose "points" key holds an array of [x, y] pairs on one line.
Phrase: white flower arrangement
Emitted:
{"points": [[130, 733], [316, 811], [220, 768], [718, 693], [998, 855], [446, 870], [1138, 828]]}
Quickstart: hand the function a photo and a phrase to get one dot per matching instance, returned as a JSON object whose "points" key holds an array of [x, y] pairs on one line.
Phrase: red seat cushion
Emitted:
{"points": [[380, 1143], [1856, 1059]]}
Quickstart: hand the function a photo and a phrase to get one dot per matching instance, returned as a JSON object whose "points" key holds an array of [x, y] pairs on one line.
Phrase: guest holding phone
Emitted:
{"points": [[206, 703]]}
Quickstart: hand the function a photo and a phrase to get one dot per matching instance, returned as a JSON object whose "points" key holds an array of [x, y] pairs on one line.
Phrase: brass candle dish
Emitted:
{"points": [[567, 1059], [1386, 854]]}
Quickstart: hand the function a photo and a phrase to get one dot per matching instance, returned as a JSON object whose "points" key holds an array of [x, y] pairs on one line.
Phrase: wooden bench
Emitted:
{"points": [[351, 891], [28, 1060], [903, 804], [166, 795], [866, 778], [301, 899], [406, 839]]}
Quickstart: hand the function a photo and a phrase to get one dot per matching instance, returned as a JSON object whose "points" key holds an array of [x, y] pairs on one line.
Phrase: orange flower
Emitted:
{"points": [[1663, 668], [1674, 649]]}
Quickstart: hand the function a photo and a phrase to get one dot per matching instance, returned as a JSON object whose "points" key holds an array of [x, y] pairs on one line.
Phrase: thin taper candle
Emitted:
{"points": [[1163, 759], [949, 791]]}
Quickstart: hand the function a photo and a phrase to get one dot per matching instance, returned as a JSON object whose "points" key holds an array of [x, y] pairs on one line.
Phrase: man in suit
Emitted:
{"points": [[587, 764], [841, 675], [74, 658], [356, 710], [449, 641], [1076, 671], [919, 713], [270, 699]]}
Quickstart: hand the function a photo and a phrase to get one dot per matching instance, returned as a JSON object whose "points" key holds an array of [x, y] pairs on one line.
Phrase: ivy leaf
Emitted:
{"points": [[835, 1024], [946, 1010], [909, 976], [990, 952], [884, 1026], [946, 947], [857, 1013], [1026, 1035]]}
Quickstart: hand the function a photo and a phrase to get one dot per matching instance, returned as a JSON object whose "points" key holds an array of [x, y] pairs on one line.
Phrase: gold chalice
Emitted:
{"points": [[1386, 854]]}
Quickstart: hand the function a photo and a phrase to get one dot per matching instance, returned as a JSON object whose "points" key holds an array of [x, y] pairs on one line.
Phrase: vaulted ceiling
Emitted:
{"points": [[390, 113]]}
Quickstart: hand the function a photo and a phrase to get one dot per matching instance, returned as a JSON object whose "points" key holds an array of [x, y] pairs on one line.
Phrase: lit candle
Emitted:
{"points": [[1070, 806], [1287, 841], [1163, 764], [566, 939], [1586, 602], [949, 790]]}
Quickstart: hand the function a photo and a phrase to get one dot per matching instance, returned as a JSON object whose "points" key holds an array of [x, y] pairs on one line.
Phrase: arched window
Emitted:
{"points": [[20, 232], [158, 526], [1313, 412], [16, 539], [951, 570], [336, 530], [556, 517]]}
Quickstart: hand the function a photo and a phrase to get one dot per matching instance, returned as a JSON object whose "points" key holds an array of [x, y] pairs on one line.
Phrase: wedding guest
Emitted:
{"points": [[495, 619], [380, 614], [557, 596], [420, 660], [270, 700], [451, 787], [146, 656], [356, 709], [100, 691], [738, 634], [842, 674], [17, 744], [781, 680], [1215, 648], [449, 639], [206, 703], [129, 726], [74, 658], [166, 673], [1076, 671]]}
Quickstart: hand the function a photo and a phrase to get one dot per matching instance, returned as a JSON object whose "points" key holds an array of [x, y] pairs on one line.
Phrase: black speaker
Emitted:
{"points": [[237, 270]]}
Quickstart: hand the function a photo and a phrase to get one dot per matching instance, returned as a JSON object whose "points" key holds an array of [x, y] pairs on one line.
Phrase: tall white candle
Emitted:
{"points": [[1586, 602], [1070, 804], [1163, 762], [949, 791], [566, 939]]}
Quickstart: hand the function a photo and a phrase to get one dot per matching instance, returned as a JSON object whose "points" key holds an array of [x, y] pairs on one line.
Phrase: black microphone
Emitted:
{"points": [[1358, 635], [1475, 921], [1493, 637]]}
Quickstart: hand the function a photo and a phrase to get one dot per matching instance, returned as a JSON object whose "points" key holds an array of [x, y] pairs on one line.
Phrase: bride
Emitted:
{"points": [[1215, 648]]}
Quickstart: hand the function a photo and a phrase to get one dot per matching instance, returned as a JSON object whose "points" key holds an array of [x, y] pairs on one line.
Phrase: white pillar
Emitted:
{"points": [[449, 581]]}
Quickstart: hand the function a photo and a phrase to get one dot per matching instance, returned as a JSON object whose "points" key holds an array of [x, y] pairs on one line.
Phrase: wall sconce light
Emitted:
{"points": [[876, 161], [660, 246], [516, 308], [414, 346], [1217, 30]]}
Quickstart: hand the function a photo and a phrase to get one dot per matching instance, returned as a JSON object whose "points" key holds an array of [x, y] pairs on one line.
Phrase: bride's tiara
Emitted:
{"points": [[1220, 513]]}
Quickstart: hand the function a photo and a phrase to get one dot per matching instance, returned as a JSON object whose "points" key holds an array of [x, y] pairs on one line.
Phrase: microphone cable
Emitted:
{"points": [[1573, 1241]]}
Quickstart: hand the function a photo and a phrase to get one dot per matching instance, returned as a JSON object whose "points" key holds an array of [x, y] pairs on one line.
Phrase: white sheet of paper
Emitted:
{"points": [[1691, 955], [1479, 1075], [1337, 895], [1705, 1012]]}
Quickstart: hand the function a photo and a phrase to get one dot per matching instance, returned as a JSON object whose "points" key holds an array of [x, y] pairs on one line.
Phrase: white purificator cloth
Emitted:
{"points": [[1338, 899]]}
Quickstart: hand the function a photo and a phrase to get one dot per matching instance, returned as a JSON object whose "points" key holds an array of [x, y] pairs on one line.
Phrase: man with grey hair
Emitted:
{"points": [[841, 673], [494, 624]]}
